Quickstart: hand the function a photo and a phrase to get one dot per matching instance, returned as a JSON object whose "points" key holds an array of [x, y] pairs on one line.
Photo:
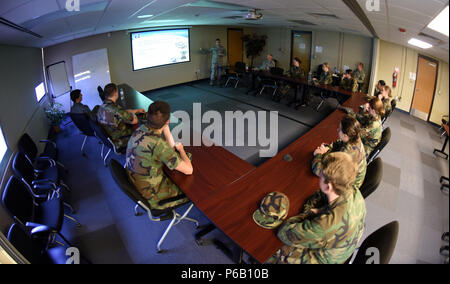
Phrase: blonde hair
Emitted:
{"points": [[340, 170], [377, 105], [388, 89]]}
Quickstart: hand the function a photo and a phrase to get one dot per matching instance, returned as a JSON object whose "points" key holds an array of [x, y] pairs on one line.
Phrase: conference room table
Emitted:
{"points": [[228, 190]]}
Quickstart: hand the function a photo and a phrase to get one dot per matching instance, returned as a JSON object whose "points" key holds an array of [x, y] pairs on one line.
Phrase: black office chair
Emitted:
{"points": [[271, 83], [101, 93], [23, 206], [236, 74], [106, 142], [385, 138], [383, 240], [389, 113], [120, 176], [81, 121], [47, 158], [374, 175], [34, 245]]}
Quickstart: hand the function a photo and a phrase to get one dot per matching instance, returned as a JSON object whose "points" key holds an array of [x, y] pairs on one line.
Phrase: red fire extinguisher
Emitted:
{"points": [[395, 77]]}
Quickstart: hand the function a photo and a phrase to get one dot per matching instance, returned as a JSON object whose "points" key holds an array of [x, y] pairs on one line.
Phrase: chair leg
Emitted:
{"points": [[72, 211], [82, 146], [73, 220], [103, 148], [262, 90], [158, 246], [237, 82], [106, 157], [64, 239], [226, 84], [136, 211]]}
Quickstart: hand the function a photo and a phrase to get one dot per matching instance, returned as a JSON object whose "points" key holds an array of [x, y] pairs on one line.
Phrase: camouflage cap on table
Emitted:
{"points": [[272, 211]]}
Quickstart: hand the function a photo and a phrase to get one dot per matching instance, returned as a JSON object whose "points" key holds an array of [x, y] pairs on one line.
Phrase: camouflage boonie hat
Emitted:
{"points": [[272, 211]]}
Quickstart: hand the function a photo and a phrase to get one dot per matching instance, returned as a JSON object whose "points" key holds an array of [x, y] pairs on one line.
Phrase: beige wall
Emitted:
{"points": [[392, 55], [120, 62], [20, 112]]}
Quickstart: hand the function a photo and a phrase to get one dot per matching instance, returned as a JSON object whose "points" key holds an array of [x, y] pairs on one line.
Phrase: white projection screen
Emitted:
{"points": [[160, 47]]}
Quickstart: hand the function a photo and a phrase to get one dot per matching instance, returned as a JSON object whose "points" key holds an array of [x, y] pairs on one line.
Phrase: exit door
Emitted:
{"points": [[427, 70]]}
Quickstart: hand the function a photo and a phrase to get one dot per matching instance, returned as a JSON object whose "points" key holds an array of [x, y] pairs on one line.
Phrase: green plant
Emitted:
{"points": [[55, 114], [254, 45]]}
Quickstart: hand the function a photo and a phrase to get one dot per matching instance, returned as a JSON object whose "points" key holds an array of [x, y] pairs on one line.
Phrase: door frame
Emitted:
{"points": [[435, 82], [310, 47], [228, 43]]}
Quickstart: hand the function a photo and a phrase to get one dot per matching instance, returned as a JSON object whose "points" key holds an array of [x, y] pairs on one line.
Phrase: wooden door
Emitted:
{"points": [[301, 48], [427, 69], [235, 46]]}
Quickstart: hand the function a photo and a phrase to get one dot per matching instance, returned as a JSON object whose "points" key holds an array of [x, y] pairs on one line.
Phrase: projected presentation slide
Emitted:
{"points": [[3, 146], [156, 48]]}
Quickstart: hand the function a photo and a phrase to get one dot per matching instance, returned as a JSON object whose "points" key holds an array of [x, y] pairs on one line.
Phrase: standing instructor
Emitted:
{"points": [[218, 53]]}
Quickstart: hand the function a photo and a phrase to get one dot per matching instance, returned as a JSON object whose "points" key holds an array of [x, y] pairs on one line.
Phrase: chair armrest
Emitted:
{"points": [[40, 231], [32, 225], [45, 159], [48, 142]]}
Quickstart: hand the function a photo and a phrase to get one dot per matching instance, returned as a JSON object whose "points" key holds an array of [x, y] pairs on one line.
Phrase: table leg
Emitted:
{"points": [[443, 149]]}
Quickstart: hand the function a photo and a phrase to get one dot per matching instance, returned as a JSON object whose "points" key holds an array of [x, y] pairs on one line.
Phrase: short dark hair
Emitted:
{"points": [[349, 71], [75, 94], [158, 114], [217, 39], [351, 128], [298, 60], [382, 83], [109, 90]]}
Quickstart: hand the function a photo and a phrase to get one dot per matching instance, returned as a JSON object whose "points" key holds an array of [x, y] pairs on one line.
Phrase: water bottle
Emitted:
{"points": [[310, 76]]}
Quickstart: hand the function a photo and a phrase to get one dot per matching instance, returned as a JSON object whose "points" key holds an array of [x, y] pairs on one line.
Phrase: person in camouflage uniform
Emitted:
{"points": [[296, 72], [150, 148], [267, 63], [115, 120], [372, 127], [349, 142], [348, 82], [331, 222], [360, 75], [218, 53], [325, 77]]}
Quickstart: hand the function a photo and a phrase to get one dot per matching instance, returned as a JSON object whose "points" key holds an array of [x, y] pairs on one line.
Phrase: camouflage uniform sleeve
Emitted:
{"points": [[317, 200], [125, 116], [167, 155], [316, 164], [304, 233]]}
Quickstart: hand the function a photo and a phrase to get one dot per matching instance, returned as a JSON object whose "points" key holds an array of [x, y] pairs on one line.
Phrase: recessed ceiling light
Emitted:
{"points": [[419, 43], [145, 16], [440, 23]]}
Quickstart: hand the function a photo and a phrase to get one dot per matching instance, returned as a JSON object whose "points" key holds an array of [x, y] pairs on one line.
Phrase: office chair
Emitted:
{"points": [[384, 240], [120, 176], [385, 138], [271, 83], [388, 114], [22, 205], [47, 184], [34, 245], [106, 142], [374, 175], [101, 93], [444, 122], [81, 121], [238, 72], [47, 158]]}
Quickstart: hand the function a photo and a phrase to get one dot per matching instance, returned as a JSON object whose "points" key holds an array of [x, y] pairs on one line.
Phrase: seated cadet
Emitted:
{"points": [[379, 87], [386, 97], [360, 75], [331, 222], [296, 72], [349, 142], [150, 148], [77, 97], [370, 120], [116, 121], [326, 77], [348, 82], [267, 63]]}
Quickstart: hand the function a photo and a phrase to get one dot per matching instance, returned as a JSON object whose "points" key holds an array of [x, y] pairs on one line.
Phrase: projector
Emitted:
{"points": [[253, 15]]}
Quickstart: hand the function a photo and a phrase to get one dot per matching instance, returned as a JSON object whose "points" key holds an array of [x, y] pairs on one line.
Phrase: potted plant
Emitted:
{"points": [[254, 45], [55, 115]]}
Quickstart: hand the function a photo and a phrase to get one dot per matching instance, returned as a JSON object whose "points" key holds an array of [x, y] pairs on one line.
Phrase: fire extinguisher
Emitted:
{"points": [[395, 77]]}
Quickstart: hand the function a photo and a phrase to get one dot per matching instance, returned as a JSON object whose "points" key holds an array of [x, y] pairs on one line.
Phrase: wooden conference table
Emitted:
{"points": [[228, 190]]}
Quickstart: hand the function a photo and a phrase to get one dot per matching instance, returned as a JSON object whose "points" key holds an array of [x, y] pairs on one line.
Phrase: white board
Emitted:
{"points": [[59, 82], [91, 69]]}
